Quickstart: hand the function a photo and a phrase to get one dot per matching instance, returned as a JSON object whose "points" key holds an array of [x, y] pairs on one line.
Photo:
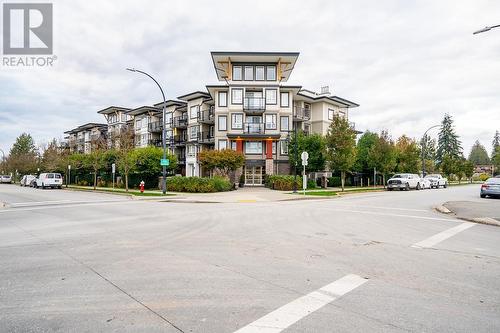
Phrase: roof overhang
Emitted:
{"points": [[342, 102], [112, 109], [85, 127], [194, 95], [142, 110], [170, 102], [222, 61]]}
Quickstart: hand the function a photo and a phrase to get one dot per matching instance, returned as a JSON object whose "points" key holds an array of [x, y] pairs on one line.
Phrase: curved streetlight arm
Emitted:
{"points": [[423, 148], [164, 132], [485, 29]]}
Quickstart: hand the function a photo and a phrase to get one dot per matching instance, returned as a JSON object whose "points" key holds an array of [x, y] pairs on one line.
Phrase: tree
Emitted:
{"points": [[450, 165], [221, 161], [365, 143], [478, 154], [495, 143], [341, 147], [468, 169], [23, 155], [496, 160], [428, 146], [54, 158], [125, 159], [148, 166], [407, 155], [96, 158], [448, 142], [315, 145], [382, 156]]}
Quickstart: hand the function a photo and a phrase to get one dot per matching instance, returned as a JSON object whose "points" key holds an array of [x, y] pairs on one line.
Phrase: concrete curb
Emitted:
{"points": [[442, 209], [481, 220]]}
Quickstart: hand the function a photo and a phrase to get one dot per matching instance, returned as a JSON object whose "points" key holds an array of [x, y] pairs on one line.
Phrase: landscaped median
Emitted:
{"points": [[120, 191], [335, 192]]}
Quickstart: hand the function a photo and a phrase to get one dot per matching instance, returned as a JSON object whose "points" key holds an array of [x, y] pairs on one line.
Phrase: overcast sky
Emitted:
{"points": [[406, 63]]}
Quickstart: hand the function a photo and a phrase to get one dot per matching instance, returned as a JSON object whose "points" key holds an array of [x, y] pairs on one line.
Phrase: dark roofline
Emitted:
{"points": [[170, 102], [185, 97], [336, 99], [144, 108], [110, 109], [236, 53], [86, 126]]}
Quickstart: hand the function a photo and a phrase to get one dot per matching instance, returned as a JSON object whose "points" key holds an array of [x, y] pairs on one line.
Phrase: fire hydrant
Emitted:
{"points": [[141, 186]]}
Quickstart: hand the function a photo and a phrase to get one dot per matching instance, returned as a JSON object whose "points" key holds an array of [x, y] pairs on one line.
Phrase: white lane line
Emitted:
{"points": [[288, 314], [437, 238], [391, 214], [61, 206], [29, 203]]}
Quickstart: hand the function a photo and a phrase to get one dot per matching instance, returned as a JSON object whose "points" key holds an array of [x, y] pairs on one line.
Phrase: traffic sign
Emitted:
{"points": [[164, 162], [113, 168], [304, 156]]}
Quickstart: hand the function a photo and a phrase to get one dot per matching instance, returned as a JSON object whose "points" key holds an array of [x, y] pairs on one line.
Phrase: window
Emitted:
{"points": [[222, 98], [236, 96], [222, 144], [284, 147], [285, 101], [138, 124], [248, 73], [222, 123], [191, 151], [124, 117], [193, 111], [193, 132], [270, 120], [274, 147], [168, 118], [330, 114], [253, 147], [237, 74], [233, 145], [271, 96], [259, 73], [168, 134], [284, 122], [237, 121], [271, 73]]}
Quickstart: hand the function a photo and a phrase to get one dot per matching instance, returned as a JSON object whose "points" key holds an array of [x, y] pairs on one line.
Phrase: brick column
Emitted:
{"points": [[239, 145], [269, 157]]}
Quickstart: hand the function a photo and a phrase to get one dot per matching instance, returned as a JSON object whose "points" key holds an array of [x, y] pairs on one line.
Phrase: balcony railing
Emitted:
{"points": [[205, 137], [206, 116], [254, 104], [181, 159], [178, 139], [302, 114], [156, 126], [254, 128], [156, 142], [180, 121]]}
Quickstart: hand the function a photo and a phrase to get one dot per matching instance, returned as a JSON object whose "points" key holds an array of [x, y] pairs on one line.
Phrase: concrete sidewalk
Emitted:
{"points": [[486, 211]]}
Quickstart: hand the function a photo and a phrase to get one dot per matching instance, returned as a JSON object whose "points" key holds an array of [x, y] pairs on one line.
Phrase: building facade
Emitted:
{"points": [[252, 110]]}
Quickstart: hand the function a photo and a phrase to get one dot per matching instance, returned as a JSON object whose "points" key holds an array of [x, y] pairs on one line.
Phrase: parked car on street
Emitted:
{"points": [[437, 180], [490, 187], [6, 179], [425, 183], [52, 180], [404, 181], [27, 180]]}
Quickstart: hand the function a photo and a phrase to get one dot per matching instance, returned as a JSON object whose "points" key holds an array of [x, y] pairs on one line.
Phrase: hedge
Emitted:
{"points": [[198, 184], [282, 183]]}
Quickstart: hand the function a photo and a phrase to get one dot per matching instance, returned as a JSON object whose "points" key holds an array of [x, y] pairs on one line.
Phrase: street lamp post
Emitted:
{"points": [[423, 148], [296, 153], [163, 133], [485, 29]]}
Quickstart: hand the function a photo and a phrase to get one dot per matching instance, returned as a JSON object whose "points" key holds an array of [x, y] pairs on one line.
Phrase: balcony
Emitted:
{"points": [[181, 159], [205, 137], [155, 127], [156, 143], [254, 105], [254, 128], [206, 117], [178, 140], [301, 114], [180, 122]]}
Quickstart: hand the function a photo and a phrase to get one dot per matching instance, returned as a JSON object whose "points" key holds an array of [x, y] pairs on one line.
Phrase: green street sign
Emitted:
{"points": [[164, 162]]}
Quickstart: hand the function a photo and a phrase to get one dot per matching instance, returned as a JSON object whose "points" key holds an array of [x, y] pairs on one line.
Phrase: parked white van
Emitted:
{"points": [[53, 180]]}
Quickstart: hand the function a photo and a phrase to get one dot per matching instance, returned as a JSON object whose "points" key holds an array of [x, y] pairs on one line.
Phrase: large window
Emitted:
{"points": [[236, 96], [237, 121], [253, 147], [284, 123], [271, 73], [193, 132], [222, 123], [270, 120], [259, 73], [193, 111], [248, 73], [222, 98], [191, 150], [168, 118], [271, 95], [285, 99], [237, 73], [284, 147], [222, 144], [331, 114]]}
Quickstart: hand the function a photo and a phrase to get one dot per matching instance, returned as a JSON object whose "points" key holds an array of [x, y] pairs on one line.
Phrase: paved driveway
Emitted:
{"points": [[377, 262]]}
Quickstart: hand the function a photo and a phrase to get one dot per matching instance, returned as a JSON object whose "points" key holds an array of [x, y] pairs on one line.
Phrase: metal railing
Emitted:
{"points": [[254, 128], [205, 137], [302, 114], [180, 121], [156, 126], [178, 139], [156, 142], [254, 104], [206, 116]]}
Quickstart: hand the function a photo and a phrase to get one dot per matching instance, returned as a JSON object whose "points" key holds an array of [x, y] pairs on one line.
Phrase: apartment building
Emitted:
{"points": [[252, 110], [84, 137]]}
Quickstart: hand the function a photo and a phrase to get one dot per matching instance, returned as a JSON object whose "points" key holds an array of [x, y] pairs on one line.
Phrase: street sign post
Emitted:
{"points": [[304, 156], [69, 175], [164, 162], [113, 170]]}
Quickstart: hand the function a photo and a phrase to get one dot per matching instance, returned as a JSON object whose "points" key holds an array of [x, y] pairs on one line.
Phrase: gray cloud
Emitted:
{"points": [[407, 63]]}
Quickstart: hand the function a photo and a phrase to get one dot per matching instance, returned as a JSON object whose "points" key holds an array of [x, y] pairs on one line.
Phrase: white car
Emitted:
{"points": [[52, 180], [437, 180], [425, 183], [5, 179], [404, 181], [27, 180]]}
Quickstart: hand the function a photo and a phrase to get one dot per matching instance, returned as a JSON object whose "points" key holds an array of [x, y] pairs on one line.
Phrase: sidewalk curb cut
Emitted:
{"points": [[443, 209], [482, 220]]}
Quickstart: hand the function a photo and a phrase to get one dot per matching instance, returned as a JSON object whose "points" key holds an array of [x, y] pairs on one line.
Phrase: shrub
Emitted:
{"points": [[198, 184], [311, 183], [483, 177], [282, 183]]}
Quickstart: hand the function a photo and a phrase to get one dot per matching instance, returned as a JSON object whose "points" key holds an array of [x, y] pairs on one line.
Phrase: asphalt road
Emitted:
{"points": [[377, 262]]}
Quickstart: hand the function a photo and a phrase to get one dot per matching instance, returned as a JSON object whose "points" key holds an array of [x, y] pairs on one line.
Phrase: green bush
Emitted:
{"points": [[282, 183], [335, 181], [311, 184], [483, 177], [198, 184]]}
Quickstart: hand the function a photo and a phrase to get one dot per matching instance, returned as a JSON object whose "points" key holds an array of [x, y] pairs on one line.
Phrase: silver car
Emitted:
{"points": [[5, 179], [491, 188]]}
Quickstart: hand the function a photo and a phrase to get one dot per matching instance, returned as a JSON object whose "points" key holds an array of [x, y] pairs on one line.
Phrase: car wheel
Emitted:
{"points": [[389, 189], [407, 187], [445, 185], [482, 195], [43, 186], [418, 187]]}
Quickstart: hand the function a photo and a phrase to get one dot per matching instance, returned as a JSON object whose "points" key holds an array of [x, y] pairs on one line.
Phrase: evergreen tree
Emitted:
{"points": [[429, 146], [23, 155], [478, 154], [495, 143], [448, 141]]}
